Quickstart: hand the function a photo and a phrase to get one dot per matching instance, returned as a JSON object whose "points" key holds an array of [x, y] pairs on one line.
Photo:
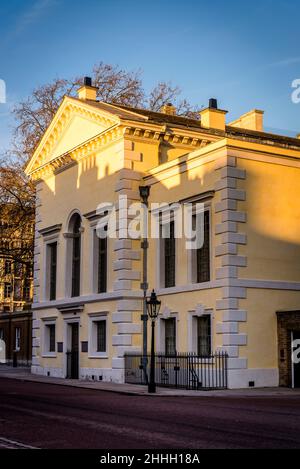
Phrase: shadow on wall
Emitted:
{"points": [[272, 224]]}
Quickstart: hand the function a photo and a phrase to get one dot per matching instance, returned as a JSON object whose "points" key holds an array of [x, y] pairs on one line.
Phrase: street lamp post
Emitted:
{"points": [[153, 306], [144, 194]]}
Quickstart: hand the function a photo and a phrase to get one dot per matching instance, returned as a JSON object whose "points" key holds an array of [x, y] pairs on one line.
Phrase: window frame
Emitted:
{"points": [[96, 265], [209, 335], [193, 255], [94, 318], [192, 327], [96, 220], [52, 345], [161, 252], [48, 240], [5, 286], [169, 254], [169, 321], [47, 323], [52, 269], [76, 256], [26, 288], [18, 269], [7, 271], [18, 290], [98, 348]]}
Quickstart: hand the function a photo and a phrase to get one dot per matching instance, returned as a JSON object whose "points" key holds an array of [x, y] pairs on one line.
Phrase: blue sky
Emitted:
{"points": [[246, 54]]}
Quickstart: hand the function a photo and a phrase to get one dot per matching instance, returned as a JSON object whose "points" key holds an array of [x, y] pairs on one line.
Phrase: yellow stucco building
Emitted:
{"points": [[240, 294]]}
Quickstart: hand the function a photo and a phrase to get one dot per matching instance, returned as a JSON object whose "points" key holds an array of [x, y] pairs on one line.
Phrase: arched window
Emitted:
{"points": [[75, 229]]}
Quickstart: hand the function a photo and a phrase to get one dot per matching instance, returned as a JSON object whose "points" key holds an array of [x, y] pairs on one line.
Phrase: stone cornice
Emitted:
{"points": [[187, 138], [157, 134], [50, 230], [198, 197], [84, 299], [94, 215], [71, 308]]}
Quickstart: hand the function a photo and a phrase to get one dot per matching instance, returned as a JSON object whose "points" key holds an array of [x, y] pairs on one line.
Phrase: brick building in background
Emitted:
{"points": [[16, 288]]}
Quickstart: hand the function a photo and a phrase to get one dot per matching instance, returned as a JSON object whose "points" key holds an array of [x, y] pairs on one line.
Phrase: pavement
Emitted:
{"points": [[24, 374], [36, 415]]}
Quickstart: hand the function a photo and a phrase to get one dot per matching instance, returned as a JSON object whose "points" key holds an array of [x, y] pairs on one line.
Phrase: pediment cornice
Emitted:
{"points": [[73, 156], [68, 108]]}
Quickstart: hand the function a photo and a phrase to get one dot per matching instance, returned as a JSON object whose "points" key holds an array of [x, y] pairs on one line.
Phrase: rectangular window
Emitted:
{"points": [[102, 265], [29, 270], [204, 335], [17, 339], [18, 268], [203, 254], [76, 265], [170, 336], [7, 290], [169, 252], [101, 336], [51, 337], [26, 291], [7, 267], [17, 289], [52, 270]]}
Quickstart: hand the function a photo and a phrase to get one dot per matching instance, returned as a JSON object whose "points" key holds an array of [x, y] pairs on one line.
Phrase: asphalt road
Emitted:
{"points": [[51, 416]]}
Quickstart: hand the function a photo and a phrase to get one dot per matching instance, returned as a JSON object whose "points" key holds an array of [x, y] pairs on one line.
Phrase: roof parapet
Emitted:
{"points": [[252, 120]]}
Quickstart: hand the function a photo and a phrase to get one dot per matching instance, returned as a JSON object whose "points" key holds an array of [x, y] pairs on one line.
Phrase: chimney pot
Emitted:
{"points": [[87, 81], [168, 109], [212, 117], [213, 103], [87, 91]]}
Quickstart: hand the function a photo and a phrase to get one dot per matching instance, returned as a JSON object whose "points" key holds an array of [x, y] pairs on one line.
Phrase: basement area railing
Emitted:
{"points": [[183, 370]]}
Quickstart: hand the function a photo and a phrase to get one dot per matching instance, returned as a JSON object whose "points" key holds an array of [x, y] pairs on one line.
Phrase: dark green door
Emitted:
{"points": [[73, 354]]}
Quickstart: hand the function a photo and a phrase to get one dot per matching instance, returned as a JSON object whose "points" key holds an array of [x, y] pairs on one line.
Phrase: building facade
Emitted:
{"points": [[239, 293]]}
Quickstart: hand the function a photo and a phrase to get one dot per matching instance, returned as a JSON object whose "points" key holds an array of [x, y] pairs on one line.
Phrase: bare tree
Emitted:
{"points": [[118, 86], [115, 85], [17, 207], [164, 93]]}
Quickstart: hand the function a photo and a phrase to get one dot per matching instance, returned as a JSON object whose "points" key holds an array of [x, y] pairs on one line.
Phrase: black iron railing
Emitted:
{"points": [[183, 370]]}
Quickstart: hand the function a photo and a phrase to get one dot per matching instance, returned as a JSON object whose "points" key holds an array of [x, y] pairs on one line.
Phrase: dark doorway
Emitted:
{"points": [[73, 354], [288, 327], [296, 358]]}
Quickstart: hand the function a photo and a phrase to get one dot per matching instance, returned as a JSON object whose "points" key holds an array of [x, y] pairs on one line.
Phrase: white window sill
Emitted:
{"points": [[49, 355], [98, 355]]}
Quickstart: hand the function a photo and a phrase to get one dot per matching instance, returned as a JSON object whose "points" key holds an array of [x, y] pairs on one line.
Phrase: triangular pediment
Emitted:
{"points": [[74, 123]]}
